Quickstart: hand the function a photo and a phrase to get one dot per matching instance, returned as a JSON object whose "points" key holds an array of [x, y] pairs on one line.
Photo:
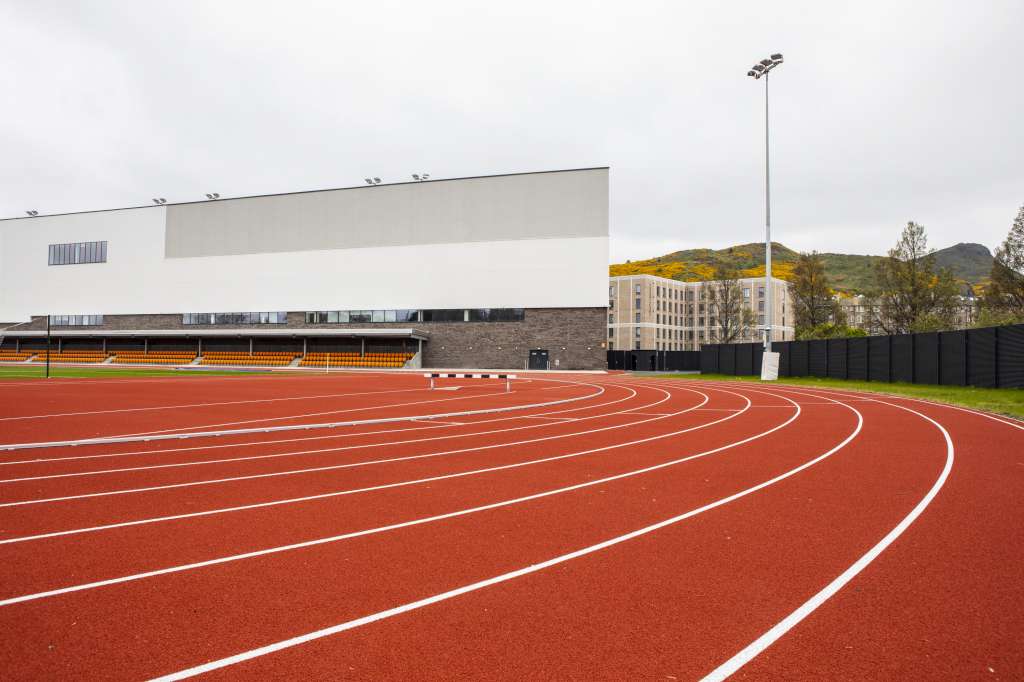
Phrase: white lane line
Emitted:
{"points": [[415, 522], [349, 465], [560, 419], [265, 420], [293, 500], [276, 441], [415, 421], [291, 427], [749, 652], [472, 587], [217, 404]]}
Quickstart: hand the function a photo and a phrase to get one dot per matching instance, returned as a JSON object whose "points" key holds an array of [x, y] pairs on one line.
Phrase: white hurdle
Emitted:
{"points": [[444, 375]]}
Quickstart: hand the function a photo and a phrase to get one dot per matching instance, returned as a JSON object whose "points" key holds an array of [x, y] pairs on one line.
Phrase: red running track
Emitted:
{"points": [[587, 527]]}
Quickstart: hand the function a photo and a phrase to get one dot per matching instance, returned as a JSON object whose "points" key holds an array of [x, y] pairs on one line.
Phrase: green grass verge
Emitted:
{"points": [[38, 371], [1008, 401]]}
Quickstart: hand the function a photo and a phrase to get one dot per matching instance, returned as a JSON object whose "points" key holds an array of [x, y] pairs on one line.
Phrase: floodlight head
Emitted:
{"points": [[766, 62], [759, 68], [32, 214], [162, 200], [376, 181], [216, 195], [753, 74], [777, 58], [415, 176], [426, 176], [156, 201], [368, 181], [209, 196]]}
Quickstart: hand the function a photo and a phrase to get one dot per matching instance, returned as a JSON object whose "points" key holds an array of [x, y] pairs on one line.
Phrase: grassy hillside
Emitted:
{"points": [[848, 272]]}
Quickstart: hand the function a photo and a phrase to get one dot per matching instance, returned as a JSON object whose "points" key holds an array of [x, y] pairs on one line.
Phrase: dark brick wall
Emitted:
{"points": [[573, 337]]}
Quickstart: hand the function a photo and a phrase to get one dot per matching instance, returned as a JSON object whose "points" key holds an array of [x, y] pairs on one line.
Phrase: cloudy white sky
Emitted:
{"points": [[883, 112]]}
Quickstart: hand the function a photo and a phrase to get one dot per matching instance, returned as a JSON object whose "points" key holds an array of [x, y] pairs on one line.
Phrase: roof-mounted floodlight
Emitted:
{"points": [[160, 201], [415, 176], [426, 176], [777, 58], [32, 214], [213, 196], [376, 181]]}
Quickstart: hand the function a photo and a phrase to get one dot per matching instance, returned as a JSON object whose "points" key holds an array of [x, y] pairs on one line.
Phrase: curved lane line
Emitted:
{"points": [[404, 524], [339, 493], [472, 587], [749, 652], [444, 436], [275, 441], [294, 427]]}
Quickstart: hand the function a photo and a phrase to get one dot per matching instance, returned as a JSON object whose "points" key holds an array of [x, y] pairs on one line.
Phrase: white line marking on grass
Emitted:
{"points": [[749, 652], [472, 587], [439, 517]]}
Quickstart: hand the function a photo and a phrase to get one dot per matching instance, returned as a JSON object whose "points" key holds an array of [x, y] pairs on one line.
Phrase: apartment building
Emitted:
{"points": [[655, 313], [862, 313]]}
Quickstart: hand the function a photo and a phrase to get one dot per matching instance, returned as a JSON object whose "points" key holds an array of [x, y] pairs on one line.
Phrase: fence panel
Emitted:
{"points": [[744, 359], [817, 358], [857, 358], [798, 359], [709, 359], [1010, 356], [758, 351], [837, 358], [953, 358], [901, 360], [879, 356], [981, 357], [727, 358], [926, 358], [783, 349]]}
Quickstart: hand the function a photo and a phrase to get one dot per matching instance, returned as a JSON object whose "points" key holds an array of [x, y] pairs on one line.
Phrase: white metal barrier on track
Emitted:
{"points": [[456, 375]]}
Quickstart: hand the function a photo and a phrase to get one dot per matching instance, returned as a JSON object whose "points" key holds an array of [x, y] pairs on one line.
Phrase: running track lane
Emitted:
{"points": [[797, 539]]}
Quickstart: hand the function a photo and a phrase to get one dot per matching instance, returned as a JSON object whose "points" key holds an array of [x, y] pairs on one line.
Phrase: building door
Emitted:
{"points": [[538, 359]]}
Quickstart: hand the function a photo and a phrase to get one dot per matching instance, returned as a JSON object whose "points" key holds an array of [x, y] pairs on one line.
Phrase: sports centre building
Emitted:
{"points": [[503, 272]]}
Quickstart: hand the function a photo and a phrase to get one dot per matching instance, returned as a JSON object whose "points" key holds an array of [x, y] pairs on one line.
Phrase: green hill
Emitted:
{"points": [[850, 273]]}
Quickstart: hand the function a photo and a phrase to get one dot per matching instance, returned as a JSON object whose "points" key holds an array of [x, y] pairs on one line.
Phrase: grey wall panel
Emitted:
{"points": [[562, 204]]}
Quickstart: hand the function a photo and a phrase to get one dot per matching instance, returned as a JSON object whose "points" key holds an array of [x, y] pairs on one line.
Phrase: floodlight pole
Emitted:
{"points": [[47, 346], [767, 229]]}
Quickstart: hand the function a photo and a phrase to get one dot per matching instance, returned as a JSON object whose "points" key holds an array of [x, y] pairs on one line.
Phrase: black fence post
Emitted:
{"points": [[47, 346]]}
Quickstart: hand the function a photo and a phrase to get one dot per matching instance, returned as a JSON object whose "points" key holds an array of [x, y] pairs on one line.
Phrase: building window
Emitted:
{"points": [[760, 306], [611, 291], [746, 292], [76, 320], [760, 292], [611, 304], [235, 318], [638, 316], [637, 289], [78, 253], [611, 319]]}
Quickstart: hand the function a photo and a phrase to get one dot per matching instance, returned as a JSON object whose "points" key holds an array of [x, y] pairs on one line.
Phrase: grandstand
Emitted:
{"points": [[495, 272]]}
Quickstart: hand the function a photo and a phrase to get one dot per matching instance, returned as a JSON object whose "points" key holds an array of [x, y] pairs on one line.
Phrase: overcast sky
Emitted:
{"points": [[883, 112]]}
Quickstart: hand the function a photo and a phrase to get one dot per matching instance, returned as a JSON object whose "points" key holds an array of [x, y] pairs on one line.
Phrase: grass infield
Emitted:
{"points": [[1008, 401]]}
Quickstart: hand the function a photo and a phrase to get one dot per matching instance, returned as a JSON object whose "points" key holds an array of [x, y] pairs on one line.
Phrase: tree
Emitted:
{"points": [[730, 315], [913, 295], [1004, 295], [813, 299], [829, 330]]}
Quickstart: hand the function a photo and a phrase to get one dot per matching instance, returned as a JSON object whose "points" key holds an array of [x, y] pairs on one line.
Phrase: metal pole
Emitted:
{"points": [[47, 346], [767, 229]]}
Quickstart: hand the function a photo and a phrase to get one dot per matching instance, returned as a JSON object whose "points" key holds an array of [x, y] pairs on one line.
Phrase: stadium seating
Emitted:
{"points": [[379, 360], [160, 357], [8, 355], [71, 356], [258, 359]]}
